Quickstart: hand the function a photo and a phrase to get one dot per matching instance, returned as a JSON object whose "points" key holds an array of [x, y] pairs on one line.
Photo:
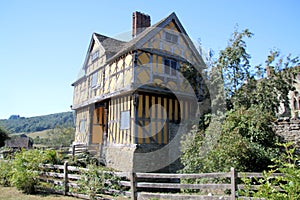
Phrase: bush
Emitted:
{"points": [[289, 165], [5, 173], [96, 181], [244, 139], [25, 168]]}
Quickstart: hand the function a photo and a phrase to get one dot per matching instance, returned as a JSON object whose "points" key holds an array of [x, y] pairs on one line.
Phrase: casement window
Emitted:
{"points": [[94, 79], [125, 120], [170, 37], [82, 125], [170, 67], [94, 56]]}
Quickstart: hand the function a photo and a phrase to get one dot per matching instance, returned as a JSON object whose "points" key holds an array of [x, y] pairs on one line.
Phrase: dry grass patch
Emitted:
{"points": [[11, 193]]}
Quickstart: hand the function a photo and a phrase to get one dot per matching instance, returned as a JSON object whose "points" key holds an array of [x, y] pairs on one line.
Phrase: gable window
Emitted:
{"points": [[170, 37], [94, 79], [95, 56], [170, 67]]}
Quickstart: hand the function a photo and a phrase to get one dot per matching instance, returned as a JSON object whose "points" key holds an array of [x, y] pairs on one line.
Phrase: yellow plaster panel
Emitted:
{"points": [[128, 60], [113, 68], [120, 65], [153, 128], [172, 85], [147, 106], [128, 77], [159, 109], [160, 65], [120, 80], [159, 133], [112, 83], [143, 77], [140, 108], [165, 134], [82, 114], [143, 58], [147, 131], [176, 110]]}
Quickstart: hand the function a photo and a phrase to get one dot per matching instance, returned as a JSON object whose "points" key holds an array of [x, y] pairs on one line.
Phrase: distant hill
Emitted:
{"points": [[17, 124]]}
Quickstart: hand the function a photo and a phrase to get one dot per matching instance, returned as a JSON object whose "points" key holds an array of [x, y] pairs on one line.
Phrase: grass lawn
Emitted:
{"points": [[11, 193]]}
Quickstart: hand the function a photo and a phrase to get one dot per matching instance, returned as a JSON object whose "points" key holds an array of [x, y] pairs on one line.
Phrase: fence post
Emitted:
{"points": [[233, 177], [66, 178], [73, 151], [133, 186]]}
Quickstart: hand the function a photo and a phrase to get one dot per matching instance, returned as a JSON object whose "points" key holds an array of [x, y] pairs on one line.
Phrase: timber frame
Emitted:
{"points": [[132, 96]]}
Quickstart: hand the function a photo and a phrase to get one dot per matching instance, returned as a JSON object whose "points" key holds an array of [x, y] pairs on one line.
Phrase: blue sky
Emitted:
{"points": [[43, 43]]}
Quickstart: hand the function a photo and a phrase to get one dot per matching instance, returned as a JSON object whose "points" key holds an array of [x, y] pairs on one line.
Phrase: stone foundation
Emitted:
{"points": [[120, 157]]}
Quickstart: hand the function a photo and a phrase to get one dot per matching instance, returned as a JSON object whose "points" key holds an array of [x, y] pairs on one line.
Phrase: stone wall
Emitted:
{"points": [[288, 129], [120, 157]]}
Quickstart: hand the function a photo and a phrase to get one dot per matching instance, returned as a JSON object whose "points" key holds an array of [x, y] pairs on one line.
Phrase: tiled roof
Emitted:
{"points": [[110, 45]]}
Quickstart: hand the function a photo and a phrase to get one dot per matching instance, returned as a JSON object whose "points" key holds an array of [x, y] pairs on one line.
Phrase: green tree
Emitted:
{"points": [[243, 140], [243, 137], [3, 136], [234, 63], [273, 89]]}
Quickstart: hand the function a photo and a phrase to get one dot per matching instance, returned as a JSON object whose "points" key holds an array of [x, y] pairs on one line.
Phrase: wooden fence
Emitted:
{"points": [[154, 185], [73, 150]]}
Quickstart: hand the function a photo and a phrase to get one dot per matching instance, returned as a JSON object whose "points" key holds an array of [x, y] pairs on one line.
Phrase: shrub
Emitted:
{"points": [[5, 173], [285, 186], [25, 168], [96, 181]]}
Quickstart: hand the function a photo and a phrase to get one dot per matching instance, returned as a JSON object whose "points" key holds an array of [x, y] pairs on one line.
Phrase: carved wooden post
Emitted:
{"points": [[233, 177], [133, 186], [66, 178]]}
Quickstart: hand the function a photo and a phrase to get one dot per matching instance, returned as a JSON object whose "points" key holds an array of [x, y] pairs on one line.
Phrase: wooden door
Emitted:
{"points": [[99, 125]]}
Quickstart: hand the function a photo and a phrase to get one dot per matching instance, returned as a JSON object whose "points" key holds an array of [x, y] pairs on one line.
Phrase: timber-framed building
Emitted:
{"points": [[131, 97]]}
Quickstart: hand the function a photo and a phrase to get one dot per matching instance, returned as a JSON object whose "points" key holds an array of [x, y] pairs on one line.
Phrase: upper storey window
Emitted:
{"points": [[170, 67], [95, 56], [94, 79], [170, 37]]}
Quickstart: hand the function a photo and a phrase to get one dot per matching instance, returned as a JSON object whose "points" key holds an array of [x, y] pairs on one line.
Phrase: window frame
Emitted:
{"points": [[125, 120], [94, 81], [82, 125], [94, 56], [170, 37], [171, 69]]}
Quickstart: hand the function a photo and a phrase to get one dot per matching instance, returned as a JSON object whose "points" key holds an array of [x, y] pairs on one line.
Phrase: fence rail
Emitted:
{"points": [[153, 185]]}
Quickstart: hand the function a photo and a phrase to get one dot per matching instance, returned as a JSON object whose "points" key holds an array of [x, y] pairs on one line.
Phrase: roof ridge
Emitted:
{"points": [[107, 37]]}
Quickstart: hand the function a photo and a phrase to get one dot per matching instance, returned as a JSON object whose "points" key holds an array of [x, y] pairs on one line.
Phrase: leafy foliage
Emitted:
{"points": [[96, 181], [243, 140], [25, 165], [3, 136], [272, 90], [285, 186], [241, 137], [40, 123], [234, 62], [5, 173]]}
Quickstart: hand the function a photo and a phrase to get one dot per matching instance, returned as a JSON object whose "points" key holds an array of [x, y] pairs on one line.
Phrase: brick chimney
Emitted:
{"points": [[140, 22]]}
